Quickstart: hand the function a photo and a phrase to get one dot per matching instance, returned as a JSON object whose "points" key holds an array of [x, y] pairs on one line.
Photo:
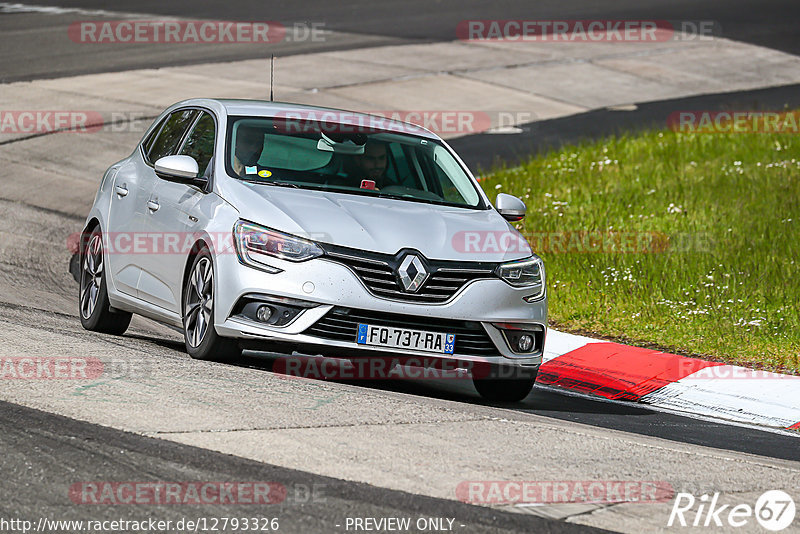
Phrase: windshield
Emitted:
{"points": [[313, 156]]}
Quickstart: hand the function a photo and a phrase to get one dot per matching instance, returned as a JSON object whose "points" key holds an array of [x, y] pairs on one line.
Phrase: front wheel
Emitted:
{"points": [[202, 340], [94, 308], [506, 384]]}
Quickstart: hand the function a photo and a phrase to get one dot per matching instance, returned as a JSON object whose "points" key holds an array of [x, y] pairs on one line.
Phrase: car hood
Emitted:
{"points": [[379, 224]]}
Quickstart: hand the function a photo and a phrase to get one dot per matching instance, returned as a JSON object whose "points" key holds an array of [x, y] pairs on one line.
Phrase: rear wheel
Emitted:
{"points": [[94, 308], [202, 340], [506, 384]]}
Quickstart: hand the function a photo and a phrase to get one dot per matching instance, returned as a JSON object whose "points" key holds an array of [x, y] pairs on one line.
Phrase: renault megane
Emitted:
{"points": [[296, 228]]}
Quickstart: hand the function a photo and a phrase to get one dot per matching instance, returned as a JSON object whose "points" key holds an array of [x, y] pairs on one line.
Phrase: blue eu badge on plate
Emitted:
{"points": [[362, 334]]}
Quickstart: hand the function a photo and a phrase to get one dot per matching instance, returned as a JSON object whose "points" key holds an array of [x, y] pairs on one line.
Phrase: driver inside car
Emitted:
{"points": [[371, 165], [369, 171], [249, 149]]}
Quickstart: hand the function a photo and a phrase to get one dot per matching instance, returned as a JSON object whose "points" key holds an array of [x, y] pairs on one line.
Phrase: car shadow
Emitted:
{"points": [[555, 404], [161, 342], [543, 400]]}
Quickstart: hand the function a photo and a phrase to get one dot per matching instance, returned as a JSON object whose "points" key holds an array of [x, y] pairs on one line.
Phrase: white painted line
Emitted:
{"points": [[6, 7], [662, 409], [734, 393], [724, 392], [559, 343]]}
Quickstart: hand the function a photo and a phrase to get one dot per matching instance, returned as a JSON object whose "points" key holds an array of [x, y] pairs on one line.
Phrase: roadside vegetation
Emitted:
{"points": [[685, 242]]}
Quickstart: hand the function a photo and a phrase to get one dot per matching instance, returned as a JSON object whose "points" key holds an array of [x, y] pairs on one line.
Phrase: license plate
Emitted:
{"points": [[404, 338]]}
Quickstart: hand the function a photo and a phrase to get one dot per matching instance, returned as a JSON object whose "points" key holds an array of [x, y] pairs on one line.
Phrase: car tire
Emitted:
{"points": [[94, 308], [199, 334], [494, 388]]}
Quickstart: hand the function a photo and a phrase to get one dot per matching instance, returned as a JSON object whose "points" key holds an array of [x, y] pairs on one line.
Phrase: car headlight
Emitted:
{"points": [[528, 273], [256, 244]]}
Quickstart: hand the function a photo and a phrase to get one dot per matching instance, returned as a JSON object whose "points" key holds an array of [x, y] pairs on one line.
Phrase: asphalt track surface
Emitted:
{"points": [[57, 449], [36, 46]]}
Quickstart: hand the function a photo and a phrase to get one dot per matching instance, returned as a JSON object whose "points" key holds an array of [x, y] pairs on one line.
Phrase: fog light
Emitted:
{"points": [[524, 343], [264, 313]]}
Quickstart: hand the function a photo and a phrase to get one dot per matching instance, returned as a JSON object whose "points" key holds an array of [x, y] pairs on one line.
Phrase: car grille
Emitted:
{"points": [[378, 272], [341, 324]]}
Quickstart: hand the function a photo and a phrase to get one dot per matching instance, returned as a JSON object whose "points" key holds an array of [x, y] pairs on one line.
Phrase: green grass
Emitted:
{"points": [[727, 284]]}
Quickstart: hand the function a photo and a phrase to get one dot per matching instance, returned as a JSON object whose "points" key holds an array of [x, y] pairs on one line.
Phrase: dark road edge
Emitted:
{"points": [[78, 437], [484, 151]]}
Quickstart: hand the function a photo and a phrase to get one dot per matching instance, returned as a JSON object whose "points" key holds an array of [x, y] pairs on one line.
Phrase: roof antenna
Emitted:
{"points": [[271, 75]]}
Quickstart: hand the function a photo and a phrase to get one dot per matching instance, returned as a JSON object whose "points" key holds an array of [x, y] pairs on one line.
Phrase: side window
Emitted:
{"points": [[457, 190], [148, 143], [200, 142], [171, 133]]}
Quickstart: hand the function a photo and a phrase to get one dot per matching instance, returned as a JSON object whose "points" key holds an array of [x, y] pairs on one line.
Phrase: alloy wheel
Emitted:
{"points": [[91, 275], [199, 302]]}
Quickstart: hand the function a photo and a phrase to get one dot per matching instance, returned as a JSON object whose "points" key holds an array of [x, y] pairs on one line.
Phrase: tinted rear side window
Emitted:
{"points": [[200, 142], [152, 137], [171, 134]]}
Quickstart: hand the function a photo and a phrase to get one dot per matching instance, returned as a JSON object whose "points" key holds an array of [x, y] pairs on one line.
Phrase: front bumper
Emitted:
{"points": [[333, 286]]}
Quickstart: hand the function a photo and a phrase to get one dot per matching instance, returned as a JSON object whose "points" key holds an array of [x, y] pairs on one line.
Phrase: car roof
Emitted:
{"points": [[264, 108]]}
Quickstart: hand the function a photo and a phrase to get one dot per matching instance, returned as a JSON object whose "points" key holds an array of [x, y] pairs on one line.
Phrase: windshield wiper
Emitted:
{"points": [[272, 182], [283, 184]]}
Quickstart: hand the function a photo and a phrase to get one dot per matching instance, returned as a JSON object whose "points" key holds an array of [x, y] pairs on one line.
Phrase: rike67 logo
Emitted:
{"points": [[774, 510]]}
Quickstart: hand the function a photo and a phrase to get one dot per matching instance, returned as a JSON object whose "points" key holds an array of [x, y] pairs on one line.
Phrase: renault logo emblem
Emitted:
{"points": [[412, 273]]}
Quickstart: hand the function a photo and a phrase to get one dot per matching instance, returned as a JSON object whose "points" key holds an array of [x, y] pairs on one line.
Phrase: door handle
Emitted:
{"points": [[152, 205], [121, 190]]}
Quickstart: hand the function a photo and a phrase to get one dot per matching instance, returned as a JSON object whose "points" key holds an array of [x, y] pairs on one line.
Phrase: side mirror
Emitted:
{"points": [[510, 207], [181, 169]]}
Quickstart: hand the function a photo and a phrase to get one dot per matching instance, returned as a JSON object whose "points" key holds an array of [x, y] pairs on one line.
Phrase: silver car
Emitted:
{"points": [[290, 228]]}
